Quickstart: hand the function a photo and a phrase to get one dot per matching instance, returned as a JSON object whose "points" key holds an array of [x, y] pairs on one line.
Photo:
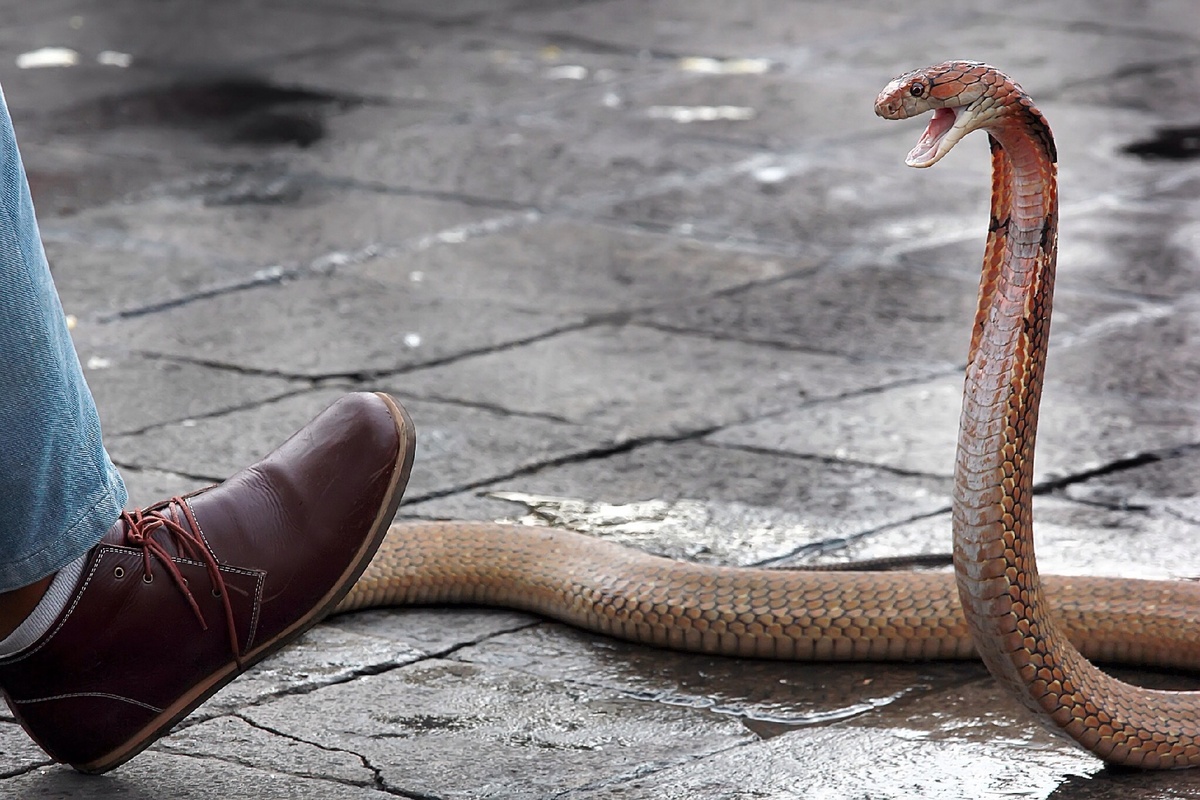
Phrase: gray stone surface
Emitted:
{"points": [[651, 271], [745, 506], [425, 728], [681, 383]]}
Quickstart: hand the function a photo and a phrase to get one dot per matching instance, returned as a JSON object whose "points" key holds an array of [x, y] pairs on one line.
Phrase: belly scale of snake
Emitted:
{"points": [[1036, 643]]}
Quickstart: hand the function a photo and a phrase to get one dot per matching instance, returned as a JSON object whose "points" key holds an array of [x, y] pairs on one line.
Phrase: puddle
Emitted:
{"points": [[244, 110], [1168, 144]]}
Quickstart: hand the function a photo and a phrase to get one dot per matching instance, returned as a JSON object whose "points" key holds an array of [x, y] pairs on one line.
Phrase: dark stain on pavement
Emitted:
{"points": [[1168, 144], [242, 110]]}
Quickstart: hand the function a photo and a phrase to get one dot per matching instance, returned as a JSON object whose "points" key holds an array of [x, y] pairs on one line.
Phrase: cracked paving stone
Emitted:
{"points": [[845, 197], [581, 268], [325, 655], [979, 34], [914, 428], [1072, 539], [710, 27], [461, 446], [471, 72], [859, 763], [362, 326], [455, 730], [97, 281], [433, 631], [324, 221], [1167, 485], [217, 447], [154, 775], [770, 697], [406, 11], [67, 179], [230, 739], [764, 503], [681, 382], [869, 312], [1166, 90], [1140, 249], [541, 160], [456, 445], [17, 751], [168, 392], [787, 109]]}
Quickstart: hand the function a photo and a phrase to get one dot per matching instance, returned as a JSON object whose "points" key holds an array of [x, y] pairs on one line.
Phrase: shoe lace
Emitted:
{"points": [[140, 527]]}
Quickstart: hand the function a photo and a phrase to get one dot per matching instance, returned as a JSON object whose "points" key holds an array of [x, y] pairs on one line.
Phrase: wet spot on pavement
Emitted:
{"points": [[1168, 144]]}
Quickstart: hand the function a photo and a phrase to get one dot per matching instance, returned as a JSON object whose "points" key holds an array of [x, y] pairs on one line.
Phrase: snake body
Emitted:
{"points": [[739, 611], [1022, 642], [1035, 635]]}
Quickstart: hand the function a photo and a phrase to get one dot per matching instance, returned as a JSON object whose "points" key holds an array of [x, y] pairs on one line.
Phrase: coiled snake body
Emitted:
{"points": [[1035, 642]]}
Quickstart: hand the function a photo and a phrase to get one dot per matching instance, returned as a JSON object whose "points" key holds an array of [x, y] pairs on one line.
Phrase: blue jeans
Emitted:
{"points": [[59, 491]]}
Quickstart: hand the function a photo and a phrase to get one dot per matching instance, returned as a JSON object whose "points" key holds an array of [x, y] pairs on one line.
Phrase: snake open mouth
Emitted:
{"points": [[926, 151]]}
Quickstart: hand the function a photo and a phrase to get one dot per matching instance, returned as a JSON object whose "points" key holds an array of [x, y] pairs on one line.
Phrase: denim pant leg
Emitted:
{"points": [[59, 492]]}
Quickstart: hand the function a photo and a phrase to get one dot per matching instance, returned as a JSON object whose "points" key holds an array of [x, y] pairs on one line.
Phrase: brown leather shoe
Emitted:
{"points": [[180, 598]]}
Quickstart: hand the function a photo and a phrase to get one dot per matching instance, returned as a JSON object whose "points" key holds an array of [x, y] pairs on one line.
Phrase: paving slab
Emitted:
{"points": [[769, 698], [466, 72], [739, 506], [850, 197], [1103, 404], [320, 222], [135, 394], [536, 158], [234, 740], [425, 727], [713, 28], [575, 267], [377, 328], [457, 446], [873, 311], [188, 778], [859, 764], [1073, 539], [664, 396], [434, 631], [1147, 249], [95, 281]]}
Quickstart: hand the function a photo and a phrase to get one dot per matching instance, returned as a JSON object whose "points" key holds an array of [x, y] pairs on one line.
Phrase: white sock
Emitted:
{"points": [[51, 605]]}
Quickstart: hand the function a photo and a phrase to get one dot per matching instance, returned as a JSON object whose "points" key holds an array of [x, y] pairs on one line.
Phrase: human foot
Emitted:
{"points": [[180, 598]]}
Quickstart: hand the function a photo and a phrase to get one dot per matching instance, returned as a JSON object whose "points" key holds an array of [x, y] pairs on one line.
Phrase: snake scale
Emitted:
{"points": [[1035, 635]]}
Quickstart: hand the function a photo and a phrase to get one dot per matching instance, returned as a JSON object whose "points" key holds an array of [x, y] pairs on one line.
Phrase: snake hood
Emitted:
{"points": [[963, 96]]}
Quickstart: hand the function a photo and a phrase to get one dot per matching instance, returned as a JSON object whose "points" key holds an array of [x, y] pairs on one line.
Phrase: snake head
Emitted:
{"points": [[963, 96]]}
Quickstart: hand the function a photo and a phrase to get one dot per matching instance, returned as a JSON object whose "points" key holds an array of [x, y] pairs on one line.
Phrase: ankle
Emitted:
{"points": [[18, 604]]}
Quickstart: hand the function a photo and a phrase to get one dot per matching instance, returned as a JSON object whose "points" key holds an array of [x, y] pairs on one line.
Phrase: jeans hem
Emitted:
{"points": [[74, 542]]}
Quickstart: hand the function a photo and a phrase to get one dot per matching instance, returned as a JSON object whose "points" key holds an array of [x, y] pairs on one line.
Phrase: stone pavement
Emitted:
{"points": [[652, 270]]}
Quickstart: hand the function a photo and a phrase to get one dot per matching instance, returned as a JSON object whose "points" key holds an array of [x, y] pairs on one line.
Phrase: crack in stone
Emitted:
{"points": [[581, 457], [376, 773], [16, 773], [495, 408], [376, 781], [214, 414], [190, 476], [317, 380], [841, 542]]}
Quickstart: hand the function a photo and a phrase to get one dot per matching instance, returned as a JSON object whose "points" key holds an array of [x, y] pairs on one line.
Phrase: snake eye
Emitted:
{"points": [[917, 89]]}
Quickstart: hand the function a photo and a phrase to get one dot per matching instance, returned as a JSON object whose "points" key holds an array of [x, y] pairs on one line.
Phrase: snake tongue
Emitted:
{"points": [[942, 121]]}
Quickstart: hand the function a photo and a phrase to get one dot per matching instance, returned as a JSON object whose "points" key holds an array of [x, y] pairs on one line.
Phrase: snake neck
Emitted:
{"points": [[993, 491]]}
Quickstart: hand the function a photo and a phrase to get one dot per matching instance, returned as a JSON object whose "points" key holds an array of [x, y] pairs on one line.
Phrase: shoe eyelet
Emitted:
{"points": [[216, 592], [147, 578], [119, 573]]}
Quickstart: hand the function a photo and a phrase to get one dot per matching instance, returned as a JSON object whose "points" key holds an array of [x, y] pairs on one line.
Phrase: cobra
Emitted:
{"points": [[1035, 634]]}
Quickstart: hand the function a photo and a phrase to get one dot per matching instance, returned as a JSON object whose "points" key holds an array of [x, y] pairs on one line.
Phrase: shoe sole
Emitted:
{"points": [[406, 432]]}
